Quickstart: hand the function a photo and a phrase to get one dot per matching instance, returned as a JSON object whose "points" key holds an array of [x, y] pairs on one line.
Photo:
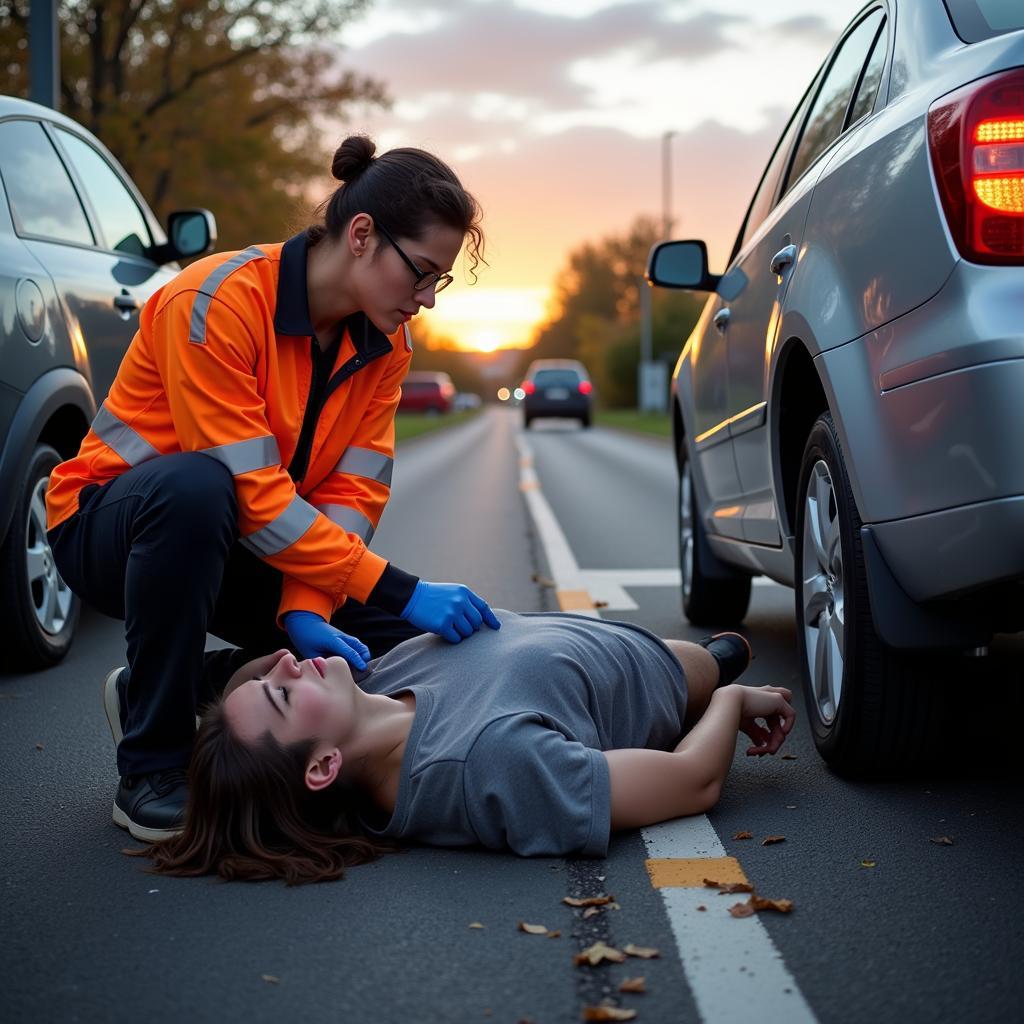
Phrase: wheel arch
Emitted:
{"points": [[57, 410]]}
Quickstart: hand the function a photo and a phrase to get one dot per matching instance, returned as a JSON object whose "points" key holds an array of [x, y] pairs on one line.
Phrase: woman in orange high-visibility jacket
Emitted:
{"points": [[234, 475]]}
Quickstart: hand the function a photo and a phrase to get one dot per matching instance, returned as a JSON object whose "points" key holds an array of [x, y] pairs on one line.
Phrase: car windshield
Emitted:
{"points": [[556, 379], [981, 19]]}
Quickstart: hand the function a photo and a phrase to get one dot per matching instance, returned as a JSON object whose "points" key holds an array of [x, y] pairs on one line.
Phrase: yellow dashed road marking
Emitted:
{"points": [[690, 872]]}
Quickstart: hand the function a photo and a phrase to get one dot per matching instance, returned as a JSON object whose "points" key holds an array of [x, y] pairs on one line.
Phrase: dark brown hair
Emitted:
{"points": [[251, 817], [406, 190]]}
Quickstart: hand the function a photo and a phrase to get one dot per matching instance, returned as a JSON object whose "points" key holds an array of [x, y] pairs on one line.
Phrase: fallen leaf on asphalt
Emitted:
{"points": [[763, 903], [938, 840], [726, 888], [39, 746], [271, 979], [644, 952], [867, 863], [607, 1013], [742, 909], [772, 840], [544, 581], [789, 757], [587, 901], [634, 985], [600, 604], [744, 835], [598, 953], [476, 924], [591, 912], [556, 934], [614, 906], [790, 807], [532, 929]]}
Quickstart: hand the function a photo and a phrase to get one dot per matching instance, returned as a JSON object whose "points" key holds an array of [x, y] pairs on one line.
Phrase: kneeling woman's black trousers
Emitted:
{"points": [[158, 547]]}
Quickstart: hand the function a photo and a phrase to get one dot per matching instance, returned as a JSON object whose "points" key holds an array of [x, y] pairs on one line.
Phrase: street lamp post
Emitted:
{"points": [[666, 184], [44, 53]]}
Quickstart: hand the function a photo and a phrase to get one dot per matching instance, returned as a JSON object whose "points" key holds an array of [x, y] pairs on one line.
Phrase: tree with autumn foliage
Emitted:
{"points": [[205, 102], [597, 319]]}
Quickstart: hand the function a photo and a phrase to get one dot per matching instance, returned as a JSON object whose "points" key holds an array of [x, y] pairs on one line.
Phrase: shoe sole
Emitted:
{"points": [[746, 643], [146, 835], [110, 705]]}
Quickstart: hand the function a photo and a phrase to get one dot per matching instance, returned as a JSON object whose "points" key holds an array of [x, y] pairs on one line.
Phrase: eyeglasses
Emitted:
{"points": [[424, 278]]}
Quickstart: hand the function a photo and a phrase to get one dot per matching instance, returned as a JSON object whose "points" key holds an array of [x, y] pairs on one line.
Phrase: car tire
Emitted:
{"points": [[711, 595], [40, 612], [526, 422], [872, 710], [585, 422]]}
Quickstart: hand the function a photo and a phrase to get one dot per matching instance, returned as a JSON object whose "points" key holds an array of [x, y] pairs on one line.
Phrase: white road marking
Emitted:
{"points": [[731, 964]]}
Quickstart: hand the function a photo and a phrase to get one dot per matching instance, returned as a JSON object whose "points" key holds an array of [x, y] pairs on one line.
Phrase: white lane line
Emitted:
{"points": [[608, 586], [712, 944], [731, 963]]}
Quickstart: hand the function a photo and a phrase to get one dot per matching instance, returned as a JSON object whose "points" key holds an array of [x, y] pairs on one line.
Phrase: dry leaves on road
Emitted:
{"points": [[634, 985], [598, 953], [772, 840], [271, 979], [475, 924], [868, 863], [941, 840], [532, 929], [789, 757], [607, 1013], [644, 952], [587, 901], [744, 835], [756, 903], [544, 581], [727, 888]]}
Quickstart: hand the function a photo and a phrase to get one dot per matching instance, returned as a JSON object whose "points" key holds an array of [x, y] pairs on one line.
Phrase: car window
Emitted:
{"points": [[825, 122], [864, 101], [43, 200], [556, 379], [975, 20], [764, 199], [121, 221]]}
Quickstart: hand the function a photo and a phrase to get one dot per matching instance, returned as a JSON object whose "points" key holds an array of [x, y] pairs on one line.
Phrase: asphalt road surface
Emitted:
{"points": [[928, 932]]}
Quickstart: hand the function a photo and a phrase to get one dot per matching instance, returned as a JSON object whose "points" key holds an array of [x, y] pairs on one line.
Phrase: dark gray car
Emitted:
{"points": [[848, 408], [80, 252]]}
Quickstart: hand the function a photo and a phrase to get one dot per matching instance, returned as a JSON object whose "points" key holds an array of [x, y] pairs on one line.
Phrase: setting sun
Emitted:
{"points": [[487, 319]]}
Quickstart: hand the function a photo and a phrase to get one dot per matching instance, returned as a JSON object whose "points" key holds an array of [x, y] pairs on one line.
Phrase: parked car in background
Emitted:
{"points": [[80, 252], [465, 400], [847, 409], [426, 391], [557, 387]]}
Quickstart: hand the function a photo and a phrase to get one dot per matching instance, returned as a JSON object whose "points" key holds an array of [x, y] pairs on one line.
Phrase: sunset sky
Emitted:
{"points": [[553, 113]]}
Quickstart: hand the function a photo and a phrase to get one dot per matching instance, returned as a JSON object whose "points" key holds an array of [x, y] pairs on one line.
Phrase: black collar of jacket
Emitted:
{"points": [[291, 317]]}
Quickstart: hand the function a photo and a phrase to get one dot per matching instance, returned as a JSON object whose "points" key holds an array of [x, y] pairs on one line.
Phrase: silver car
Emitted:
{"points": [[80, 252], [849, 409]]}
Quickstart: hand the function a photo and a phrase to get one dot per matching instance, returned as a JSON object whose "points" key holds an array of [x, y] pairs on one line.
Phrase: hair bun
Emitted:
{"points": [[353, 156]]}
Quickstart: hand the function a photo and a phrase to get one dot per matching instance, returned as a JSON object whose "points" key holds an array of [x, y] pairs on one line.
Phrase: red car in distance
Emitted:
{"points": [[427, 391]]}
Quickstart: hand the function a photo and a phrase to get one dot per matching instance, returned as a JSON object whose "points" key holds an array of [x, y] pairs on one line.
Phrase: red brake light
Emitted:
{"points": [[976, 136], [529, 387], [586, 387]]}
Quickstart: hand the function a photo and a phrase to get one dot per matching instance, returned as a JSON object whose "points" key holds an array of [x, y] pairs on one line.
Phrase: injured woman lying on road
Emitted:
{"points": [[542, 738]]}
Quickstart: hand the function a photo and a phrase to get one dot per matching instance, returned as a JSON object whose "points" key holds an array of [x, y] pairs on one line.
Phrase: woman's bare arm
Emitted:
{"points": [[649, 786]]}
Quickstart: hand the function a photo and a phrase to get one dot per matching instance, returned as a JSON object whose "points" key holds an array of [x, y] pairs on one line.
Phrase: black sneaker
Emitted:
{"points": [[732, 652], [113, 703], [152, 807]]}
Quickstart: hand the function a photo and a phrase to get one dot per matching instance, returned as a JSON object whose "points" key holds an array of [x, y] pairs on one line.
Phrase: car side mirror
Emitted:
{"points": [[681, 265], [189, 233]]}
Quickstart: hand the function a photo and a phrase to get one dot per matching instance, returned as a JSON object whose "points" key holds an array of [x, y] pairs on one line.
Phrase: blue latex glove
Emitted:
{"points": [[315, 638], [450, 610]]}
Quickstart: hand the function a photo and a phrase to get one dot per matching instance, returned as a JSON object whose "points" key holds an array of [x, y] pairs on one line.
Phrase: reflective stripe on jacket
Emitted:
{"points": [[221, 364]]}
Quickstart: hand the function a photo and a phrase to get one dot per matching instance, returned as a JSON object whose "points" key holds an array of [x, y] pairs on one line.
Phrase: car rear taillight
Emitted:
{"points": [[976, 136], [529, 387], [586, 387]]}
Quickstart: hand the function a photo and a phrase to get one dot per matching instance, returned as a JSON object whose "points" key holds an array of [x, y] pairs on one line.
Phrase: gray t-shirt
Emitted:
{"points": [[504, 750]]}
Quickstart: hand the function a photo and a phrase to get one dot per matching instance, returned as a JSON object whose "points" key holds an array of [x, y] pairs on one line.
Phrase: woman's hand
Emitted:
{"points": [[254, 668], [766, 716]]}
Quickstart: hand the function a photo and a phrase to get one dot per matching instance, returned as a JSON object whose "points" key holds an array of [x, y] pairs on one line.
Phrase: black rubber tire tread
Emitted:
{"points": [[25, 644], [894, 706], [711, 602]]}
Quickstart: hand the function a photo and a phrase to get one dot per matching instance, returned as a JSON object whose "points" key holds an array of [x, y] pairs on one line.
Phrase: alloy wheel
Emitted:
{"points": [[51, 598], [823, 593]]}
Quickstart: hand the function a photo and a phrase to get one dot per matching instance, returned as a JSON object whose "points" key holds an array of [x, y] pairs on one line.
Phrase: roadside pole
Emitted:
{"points": [[44, 53]]}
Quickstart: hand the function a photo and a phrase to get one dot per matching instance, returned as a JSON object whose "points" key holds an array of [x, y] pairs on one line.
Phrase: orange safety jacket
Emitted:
{"points": [[223, 364]]}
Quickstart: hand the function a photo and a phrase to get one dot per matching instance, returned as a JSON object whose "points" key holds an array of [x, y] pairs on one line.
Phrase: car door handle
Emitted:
{"points": [[721, 319], [782, 259], [125, 303]]}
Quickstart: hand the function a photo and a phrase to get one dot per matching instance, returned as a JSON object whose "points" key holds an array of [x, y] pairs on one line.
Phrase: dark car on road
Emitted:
{"points": [[80, 252], [847, 410], [427, 391], [557, 388]]}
